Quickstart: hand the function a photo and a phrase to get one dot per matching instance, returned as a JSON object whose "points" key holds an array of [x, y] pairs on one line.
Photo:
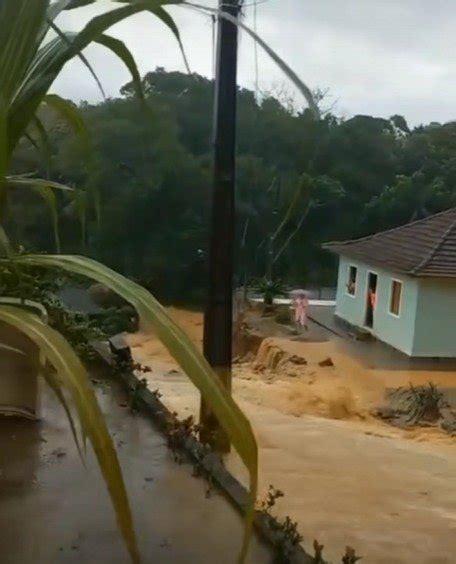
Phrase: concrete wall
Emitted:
{"points": [[435, 325], [397, 331]]}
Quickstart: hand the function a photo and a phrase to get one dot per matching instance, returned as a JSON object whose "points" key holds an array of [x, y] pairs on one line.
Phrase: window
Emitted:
{"points": [[395, 299], [351, 282]]}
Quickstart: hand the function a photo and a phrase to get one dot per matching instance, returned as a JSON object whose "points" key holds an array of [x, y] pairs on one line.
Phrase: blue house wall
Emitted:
{"points": [[435, 324], [396, 330]]}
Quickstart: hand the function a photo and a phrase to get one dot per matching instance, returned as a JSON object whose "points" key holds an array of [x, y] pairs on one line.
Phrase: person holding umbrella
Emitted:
{"points": [[300, 300]]}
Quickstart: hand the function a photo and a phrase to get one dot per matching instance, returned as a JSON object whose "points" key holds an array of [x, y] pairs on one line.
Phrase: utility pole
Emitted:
{"points": [[218, 317]]}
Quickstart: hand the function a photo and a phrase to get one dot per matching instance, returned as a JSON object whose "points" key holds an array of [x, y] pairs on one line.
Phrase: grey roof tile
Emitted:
{"points": [[422, 248]]}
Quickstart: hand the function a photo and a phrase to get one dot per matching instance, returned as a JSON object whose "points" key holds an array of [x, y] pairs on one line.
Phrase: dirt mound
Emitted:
{"points": [[269, 356], [245, 341], [297, 380]]}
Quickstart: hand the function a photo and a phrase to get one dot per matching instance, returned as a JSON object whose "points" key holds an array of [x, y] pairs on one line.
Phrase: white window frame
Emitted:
{"points": [[396, 315], [347, 280]]}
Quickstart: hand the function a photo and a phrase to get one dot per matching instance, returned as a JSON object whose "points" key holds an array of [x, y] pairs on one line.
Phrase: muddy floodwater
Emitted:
{"points": [[54, 511], [348, 477]]}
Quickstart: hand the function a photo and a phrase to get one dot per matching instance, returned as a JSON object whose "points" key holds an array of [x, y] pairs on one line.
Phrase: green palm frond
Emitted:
{"points": [[48, 196], [55, 384], [43, 143], [231, 418], [45, 189], [81, 205], [70, 114], [25, 83], [28, 304], [67, 39], [11, 349], [3, 151], [21, 181], [73, 377], [5, 244], [56, 8], [21, 23], [119, 48]]}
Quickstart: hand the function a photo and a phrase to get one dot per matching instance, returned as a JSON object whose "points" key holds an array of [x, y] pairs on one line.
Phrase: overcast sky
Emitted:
{"points": [[378, 57]]}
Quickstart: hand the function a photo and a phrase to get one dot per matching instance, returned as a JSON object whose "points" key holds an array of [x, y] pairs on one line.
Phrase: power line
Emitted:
{"points": [[255, 49], [257, 3], [214, 23]]}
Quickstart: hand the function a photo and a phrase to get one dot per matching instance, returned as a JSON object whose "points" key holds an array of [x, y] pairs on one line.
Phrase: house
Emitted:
{"points": [[400, 285]]}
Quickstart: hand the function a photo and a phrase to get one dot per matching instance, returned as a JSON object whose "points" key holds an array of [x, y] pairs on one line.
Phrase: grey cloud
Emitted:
{"points": [[377, 56]]}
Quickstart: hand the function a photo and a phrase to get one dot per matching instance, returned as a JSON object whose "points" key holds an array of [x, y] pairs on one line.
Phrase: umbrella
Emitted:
{"points": [[300, 293]]}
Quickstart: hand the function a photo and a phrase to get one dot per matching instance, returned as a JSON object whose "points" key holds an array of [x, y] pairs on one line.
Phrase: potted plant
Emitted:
{"points": [[29, 64]]}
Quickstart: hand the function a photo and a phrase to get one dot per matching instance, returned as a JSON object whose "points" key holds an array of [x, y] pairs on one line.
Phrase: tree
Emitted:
{"points": [[163, 161]]}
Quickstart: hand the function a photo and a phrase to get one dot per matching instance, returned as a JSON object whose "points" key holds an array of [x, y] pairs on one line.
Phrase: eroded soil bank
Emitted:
{"points": [[348, 478]]}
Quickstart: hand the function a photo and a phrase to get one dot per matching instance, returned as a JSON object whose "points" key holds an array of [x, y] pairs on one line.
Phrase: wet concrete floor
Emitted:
{"points": [[53, 510]]}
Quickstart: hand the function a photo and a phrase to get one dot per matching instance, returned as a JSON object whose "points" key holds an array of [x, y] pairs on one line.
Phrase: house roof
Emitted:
{"points": [[422, 248]]}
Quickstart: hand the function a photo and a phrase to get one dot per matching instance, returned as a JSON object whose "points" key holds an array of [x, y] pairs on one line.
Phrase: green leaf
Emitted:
{"points": [[168, 21], [51, 58], [5, 244], [19, 39], [30, 304], [21, 181], [73, 376], [66, 37], [70, 113], [56, 8], [120, 49], [81, 204], [46, 147], [79, 4], [3, 155], [53, 12], [221, 403], [31, 140], [3, 140], [56, 386], [45, 189], [11, 349], [49, 198]]}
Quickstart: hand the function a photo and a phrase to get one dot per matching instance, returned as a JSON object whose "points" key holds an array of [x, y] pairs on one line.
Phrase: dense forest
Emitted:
{"points": [[143, 183]]}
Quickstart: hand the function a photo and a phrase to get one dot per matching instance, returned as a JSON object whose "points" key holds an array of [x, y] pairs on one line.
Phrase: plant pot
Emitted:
{"points": [[19, 370]]}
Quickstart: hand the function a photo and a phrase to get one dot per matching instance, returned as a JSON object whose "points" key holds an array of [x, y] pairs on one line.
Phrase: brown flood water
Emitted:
{"points": [[54, 511], [348, 478]]}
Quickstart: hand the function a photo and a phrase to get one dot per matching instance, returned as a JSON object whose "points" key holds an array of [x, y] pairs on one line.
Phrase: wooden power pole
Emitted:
{"points": [[218, 318]]}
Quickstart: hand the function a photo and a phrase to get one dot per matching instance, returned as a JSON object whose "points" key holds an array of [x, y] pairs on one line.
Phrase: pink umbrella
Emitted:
{"points": [[300, 293]]}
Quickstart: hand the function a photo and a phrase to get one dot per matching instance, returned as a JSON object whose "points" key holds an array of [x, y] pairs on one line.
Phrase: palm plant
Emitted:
{"points": [[29, 64], [269, 289], [30, 61]]}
